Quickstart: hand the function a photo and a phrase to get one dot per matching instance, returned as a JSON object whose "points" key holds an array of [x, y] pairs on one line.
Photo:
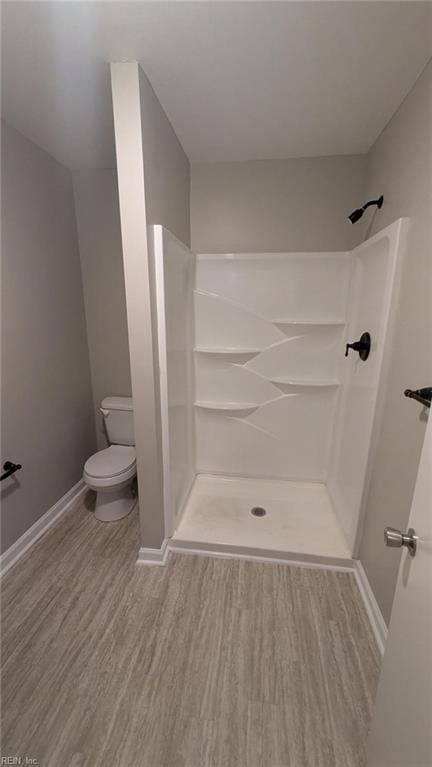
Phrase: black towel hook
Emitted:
{"points": [[424, 396]]}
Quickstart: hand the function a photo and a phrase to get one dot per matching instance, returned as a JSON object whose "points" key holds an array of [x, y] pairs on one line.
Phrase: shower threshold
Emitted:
{"points": [[295, 520]]}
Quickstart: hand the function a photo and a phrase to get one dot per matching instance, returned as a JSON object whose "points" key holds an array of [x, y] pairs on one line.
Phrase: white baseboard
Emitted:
{"points": [[153, 556], [14, 552], [378, 624], [260, 555]]}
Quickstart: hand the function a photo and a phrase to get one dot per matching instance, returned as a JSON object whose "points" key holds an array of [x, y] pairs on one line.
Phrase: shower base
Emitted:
{"points": [[299, 522]]}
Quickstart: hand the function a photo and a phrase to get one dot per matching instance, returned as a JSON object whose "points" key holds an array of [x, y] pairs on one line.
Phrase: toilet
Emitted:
{"points": [[111, 472]]}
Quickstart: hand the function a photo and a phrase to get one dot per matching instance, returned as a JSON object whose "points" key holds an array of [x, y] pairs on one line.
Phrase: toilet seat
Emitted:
{"points": [[116, 463]]}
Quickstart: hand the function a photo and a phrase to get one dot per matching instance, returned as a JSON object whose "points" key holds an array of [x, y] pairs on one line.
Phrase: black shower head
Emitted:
{"points": [[357, 214]]}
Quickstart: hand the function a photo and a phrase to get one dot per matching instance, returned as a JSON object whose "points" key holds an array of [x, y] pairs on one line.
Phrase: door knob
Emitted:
{"points": [[362, 346], [395, 539]]}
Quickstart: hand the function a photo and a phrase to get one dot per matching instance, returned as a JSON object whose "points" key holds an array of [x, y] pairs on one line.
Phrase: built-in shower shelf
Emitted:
{"points": [[229, 408], [230, 352], [289, 322], [283, 381]]}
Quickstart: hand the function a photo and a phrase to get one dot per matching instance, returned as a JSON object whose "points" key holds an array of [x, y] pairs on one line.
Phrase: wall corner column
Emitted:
{"points": [[139, 289]]}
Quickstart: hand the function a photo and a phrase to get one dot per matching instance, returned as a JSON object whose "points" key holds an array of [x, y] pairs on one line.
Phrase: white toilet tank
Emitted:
{"points": [[118, 416]]}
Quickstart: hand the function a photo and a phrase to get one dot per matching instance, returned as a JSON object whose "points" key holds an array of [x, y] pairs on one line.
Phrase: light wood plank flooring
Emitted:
{"points": [[202, 663]]}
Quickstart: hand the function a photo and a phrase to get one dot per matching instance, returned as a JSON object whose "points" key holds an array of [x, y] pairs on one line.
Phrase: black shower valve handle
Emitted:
{"points": [[362, 346], [356, 346]]}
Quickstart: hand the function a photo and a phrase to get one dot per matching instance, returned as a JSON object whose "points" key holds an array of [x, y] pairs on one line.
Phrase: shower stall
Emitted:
{"points": [[270, 408]]}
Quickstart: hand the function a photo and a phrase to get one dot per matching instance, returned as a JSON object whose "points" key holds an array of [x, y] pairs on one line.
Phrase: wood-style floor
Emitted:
{"points": [[202, 663]]}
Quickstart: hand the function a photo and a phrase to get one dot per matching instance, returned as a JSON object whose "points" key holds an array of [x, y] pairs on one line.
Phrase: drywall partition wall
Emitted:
{"points": [[98, 223], [175, 276], [372, 304], [47, 417], [269, 331], [399, 166], [153, 180], [276, 205], [141, 319], [141, 314], [167, 169]]}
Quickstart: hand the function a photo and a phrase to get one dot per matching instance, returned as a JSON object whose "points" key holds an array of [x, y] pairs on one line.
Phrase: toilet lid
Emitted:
{"points": [[115, 460]]}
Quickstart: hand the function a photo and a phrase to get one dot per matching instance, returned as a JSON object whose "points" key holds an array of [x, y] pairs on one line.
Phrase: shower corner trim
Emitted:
{"points": [[174, 272]]}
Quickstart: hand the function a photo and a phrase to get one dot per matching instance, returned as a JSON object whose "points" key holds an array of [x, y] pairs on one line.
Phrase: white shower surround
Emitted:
{"points": [[274, 395], [268, 332], [374, 295]]}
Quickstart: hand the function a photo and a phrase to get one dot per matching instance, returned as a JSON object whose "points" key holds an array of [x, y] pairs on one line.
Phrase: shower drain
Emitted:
{"points": [[258, 511]]}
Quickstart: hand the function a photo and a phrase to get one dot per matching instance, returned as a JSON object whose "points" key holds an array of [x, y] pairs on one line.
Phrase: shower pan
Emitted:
{"points": [[262, 406]]}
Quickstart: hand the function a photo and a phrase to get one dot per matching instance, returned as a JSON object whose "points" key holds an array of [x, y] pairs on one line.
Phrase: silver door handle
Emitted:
{"points": [[396, 539]]}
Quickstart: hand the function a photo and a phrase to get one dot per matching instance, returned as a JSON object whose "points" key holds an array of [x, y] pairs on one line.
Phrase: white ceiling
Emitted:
{"points": [[241, 80]]}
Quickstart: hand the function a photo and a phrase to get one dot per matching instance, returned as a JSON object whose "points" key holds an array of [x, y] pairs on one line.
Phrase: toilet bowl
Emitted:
{"points": [[111, 472]]}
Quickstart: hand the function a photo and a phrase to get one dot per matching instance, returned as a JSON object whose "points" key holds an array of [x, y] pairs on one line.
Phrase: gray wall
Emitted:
{"points": [[399, 166], [98, 222], [47, 418], [167, 168], [276, 205]]}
